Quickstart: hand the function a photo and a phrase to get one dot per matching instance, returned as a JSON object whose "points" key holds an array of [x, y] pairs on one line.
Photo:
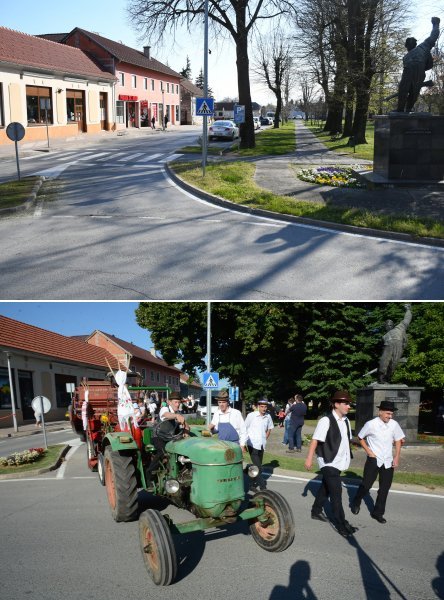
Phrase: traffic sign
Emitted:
{"points": [[239, 113], [15, 131], [204, 107], [210, 381], [41, 402]]}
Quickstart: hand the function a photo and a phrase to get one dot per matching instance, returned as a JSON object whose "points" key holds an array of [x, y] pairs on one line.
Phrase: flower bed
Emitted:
{"points": [[22, 458], [334, 176]]}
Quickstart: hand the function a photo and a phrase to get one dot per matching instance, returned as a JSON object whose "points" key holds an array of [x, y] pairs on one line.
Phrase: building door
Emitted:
{"points": [[26, 390], [75, 107], [103, 110], [130, 114]]}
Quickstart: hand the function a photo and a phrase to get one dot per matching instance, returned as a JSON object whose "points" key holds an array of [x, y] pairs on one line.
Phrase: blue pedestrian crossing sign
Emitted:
{"points": [[204, 107], [210, 381]]}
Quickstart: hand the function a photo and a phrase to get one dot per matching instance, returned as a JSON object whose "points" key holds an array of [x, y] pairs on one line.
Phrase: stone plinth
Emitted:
{"points": [[406, 400], [409, 147]]}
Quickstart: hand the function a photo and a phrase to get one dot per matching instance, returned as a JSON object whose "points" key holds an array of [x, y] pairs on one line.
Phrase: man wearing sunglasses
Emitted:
{"points": [[331, 443]]}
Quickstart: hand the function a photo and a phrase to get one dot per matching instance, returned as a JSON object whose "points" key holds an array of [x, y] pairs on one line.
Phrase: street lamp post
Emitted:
{"points": [[11, 387]]}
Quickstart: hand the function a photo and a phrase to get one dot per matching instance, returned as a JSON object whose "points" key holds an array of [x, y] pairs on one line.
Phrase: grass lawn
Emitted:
{"points": [[341, 146], [46, 460], [272, 142], [14, 193], [234, 181]]}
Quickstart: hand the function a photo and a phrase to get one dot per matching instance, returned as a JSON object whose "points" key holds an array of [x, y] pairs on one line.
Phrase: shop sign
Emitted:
{"points": [[128, 98]]}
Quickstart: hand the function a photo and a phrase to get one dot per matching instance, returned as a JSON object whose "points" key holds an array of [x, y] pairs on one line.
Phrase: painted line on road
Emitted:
{"points": [[283, 223], [289, 479], [62, 468]]}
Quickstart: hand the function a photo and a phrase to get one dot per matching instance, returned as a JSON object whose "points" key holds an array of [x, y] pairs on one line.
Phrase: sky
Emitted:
{"points": [[79, 318], [108, 18]]}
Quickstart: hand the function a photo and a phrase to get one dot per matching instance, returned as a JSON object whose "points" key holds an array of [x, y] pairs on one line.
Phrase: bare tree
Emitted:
{"points": [[237, 18], [273, 65]]}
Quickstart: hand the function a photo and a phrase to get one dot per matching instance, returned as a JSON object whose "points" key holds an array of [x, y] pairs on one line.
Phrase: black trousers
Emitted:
{"points": [[256, 458], [371, 472], [330, 486]]}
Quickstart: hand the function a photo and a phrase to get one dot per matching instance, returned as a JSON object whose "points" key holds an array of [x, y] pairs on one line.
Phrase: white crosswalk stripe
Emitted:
{"points": [[130, 157], [149, 158], [170, 158]]}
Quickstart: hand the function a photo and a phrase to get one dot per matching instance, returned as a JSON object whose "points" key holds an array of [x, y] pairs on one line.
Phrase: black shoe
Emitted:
{"points": [[319, 517], [378, 518], [342, 530], [355, 508], [290, 450], [350, 528]]}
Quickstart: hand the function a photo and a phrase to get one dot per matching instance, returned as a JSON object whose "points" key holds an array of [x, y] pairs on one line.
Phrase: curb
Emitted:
{"points": [[34, 472], [29, 202], [260, 212]]}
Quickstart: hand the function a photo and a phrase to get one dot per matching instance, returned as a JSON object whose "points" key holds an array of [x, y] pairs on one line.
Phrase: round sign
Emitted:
{"points": [[37, 404], [15, 131]]}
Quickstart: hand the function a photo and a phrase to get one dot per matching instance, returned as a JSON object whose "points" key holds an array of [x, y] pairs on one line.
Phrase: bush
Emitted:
{"points": [[22, 458]]}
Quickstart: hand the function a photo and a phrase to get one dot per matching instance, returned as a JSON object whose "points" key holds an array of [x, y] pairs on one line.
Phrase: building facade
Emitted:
{"points": [[52, 91]]}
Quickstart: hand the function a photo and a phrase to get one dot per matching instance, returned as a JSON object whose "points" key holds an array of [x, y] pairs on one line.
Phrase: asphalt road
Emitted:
{"points": [[118, 228], [59, 541]]}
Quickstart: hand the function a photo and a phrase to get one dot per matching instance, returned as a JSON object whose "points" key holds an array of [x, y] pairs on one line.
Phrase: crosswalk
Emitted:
{"points": [[110, 157]]}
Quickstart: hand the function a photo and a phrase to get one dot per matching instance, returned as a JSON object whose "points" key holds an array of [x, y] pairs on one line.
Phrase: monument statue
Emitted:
{"points": [[416, 62], [395, 342]]}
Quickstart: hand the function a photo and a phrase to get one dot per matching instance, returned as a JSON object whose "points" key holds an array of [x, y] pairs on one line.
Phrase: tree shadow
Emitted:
{"points": [[298, 587]]}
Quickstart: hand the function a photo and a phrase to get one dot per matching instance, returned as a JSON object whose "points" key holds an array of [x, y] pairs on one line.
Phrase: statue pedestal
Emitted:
{"points": [[409, 148], [406, 400]]}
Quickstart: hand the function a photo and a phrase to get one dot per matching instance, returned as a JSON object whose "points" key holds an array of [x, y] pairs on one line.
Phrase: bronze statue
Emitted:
{"points": [[416, 62], [395, 342]]}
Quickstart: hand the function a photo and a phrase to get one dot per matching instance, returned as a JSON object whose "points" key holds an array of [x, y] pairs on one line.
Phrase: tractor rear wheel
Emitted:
{"points": [[101, 468], [277, 533], [156, 543], [121, 485]]}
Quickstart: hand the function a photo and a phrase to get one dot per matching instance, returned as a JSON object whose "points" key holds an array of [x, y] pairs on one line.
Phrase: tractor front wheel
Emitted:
{"points": [[156, 543], [121, 485], [276, 533]]}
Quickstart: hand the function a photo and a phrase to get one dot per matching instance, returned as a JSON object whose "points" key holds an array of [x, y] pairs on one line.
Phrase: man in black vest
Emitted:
{"points": [[331, 442]]}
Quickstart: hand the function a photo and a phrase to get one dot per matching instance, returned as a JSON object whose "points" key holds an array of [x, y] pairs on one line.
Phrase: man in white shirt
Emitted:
{"points": [[228, 422], [377, 438], [258, 425], [331, 442]]}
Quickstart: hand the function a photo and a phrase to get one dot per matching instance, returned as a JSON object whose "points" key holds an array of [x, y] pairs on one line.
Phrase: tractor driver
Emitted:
{"points": [[171, 425]]}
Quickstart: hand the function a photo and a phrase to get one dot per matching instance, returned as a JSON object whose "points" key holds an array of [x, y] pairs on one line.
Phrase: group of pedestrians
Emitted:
{"points": [[331, 444]]}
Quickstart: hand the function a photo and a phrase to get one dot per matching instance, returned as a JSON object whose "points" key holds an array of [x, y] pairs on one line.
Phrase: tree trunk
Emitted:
{"points": [[243, 82]]}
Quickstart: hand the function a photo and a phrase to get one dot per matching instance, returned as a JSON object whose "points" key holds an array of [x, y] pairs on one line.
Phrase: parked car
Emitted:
{"points": [[223, 129], [256, 121], [264, 121]]}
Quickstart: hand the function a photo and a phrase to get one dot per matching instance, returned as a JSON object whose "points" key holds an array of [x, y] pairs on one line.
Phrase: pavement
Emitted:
{"points": [[415, 458], [279, 175]]}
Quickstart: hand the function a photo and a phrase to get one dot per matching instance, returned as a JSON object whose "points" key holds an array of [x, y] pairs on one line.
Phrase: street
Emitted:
{"points": [[114, 226], [59, 541]]}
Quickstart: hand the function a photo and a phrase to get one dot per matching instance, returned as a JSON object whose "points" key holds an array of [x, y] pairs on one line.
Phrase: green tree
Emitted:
{"points": [[186, 71]]}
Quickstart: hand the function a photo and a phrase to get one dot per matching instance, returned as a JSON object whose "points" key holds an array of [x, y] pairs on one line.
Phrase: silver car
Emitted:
{"points": [[223, 129]]}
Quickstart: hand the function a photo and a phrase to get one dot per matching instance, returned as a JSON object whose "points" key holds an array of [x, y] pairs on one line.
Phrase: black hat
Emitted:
{"points": [[341, 396], [387, 405], [175, 396]]}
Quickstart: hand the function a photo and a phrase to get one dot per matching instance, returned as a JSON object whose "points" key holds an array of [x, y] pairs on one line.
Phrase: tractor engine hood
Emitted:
{"points": [[207, 451]]}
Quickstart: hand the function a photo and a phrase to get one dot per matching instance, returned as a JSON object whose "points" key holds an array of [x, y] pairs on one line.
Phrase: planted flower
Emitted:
{"points": [[334, 176], [21, 458]]}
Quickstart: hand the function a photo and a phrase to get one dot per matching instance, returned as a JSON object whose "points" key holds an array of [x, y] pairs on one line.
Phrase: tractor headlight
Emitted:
{"points": [[252, 471], [172, 486]]}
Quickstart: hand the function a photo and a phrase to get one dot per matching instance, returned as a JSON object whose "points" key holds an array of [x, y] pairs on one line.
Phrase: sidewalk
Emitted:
{"points": [[30, 429]]}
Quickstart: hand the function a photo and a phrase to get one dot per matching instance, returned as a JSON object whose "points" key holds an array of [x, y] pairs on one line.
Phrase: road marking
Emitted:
{"points": [[290, 478], [62, 468], [114, 156], [55, 171], [171, 157], [150, 157], [129, 157]]}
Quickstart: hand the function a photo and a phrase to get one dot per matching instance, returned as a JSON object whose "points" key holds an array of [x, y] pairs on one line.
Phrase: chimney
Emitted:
{"points": [[146, 51], [153, 352]]}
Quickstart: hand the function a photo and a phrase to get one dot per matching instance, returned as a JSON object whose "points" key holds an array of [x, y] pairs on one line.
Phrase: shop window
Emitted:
{"points": [[63, 398], [177, 113], [120, 111], [38, 105], [121, 77], [5, 389], [133, 81]]}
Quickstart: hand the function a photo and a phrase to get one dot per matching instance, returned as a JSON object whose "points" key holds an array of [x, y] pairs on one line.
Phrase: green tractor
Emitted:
{"points": [[199, 473]]}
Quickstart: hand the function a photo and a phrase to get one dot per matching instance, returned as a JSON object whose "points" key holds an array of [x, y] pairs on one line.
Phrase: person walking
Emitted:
{"points": [[287, 421], [297, 412], [258, 425], [228, 422], [331, 442], [153, 122], [377, 438], [165, 120]]}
